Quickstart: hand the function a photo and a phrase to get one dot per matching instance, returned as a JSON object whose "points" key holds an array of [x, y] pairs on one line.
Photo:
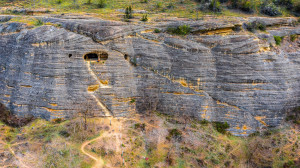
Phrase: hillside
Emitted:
{"points": [[155, 83], [150, 141]]}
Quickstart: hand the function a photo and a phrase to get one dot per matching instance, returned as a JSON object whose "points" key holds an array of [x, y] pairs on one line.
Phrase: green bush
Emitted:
{"points": [[132, 100], [252, 26], [244, 5], [157, 30], [128, 12], [270, 9], [101, 3], [144, 1], [170, 6], [158, 4], [296, 7], [174, 134], [237, 28], [221, 126], [215, 6], [144, 18], [204, 122], [294, 116], [278, 39], [64, 133], [293, 37], [140, 126], [287, 3], [247, 6], [38, 22], [180, 30]]}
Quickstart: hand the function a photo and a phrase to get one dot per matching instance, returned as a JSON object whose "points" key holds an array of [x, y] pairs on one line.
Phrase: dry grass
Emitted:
{"points": [[142, 142]]}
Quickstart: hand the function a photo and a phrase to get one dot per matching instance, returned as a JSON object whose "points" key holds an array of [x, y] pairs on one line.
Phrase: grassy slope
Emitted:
{"points": [[195, 144], [155, 8]]}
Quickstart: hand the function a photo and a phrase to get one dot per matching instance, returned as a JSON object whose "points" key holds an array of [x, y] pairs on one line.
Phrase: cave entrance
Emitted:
{"points": [[99, 56], [91, 57]]}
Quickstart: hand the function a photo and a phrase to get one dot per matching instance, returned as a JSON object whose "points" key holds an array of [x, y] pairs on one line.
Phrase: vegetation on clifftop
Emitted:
{"points": [[160, 9]]}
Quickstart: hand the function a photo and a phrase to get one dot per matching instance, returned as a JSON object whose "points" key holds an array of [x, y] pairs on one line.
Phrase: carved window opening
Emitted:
{"points": [[103, 56], [126, 57]]}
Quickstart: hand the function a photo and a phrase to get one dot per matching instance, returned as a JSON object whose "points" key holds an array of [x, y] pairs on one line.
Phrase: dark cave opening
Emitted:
{"points": [[91, 56]]}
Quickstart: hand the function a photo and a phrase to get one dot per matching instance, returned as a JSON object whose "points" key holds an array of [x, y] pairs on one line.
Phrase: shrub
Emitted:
{"points": [[170, 6], [140, 126], [237, 28], [132, 100], [144, 18], [287, 3], [38, 22], [244, 5], [133, 61], [128, 12], [294, 116], [261, 26], [64, 133], [296, 8], [59, 1], [180, 30], [204, 122], [174, 134], [158, 5], [270, 9], [215, 6], [247, 6], [144, 1], [255, 25], [293, 37], [221, 126], [278, 39], [101, 3], [157, 30]]}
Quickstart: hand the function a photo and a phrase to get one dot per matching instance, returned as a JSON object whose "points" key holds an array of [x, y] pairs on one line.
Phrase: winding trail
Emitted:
{"points": [[99, 161], [22, 164]]}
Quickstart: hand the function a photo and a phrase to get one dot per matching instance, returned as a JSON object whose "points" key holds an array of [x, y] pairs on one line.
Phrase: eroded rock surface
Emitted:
{"points": [[215, 73]]}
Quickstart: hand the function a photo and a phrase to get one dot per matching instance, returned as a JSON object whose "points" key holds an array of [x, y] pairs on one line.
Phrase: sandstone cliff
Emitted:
{"points": [[220, 72]]}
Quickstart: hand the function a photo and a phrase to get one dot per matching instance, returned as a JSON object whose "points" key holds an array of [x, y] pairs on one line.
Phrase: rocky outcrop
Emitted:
{"points": [[238, 77]]}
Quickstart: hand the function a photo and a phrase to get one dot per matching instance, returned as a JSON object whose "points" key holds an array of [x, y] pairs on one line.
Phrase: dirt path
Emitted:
{"points": [[22, 164], [99, 163]]}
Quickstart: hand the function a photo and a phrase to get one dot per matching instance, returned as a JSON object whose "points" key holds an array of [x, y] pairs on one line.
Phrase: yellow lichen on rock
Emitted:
{"points": [[93, 88], [260, 119]]}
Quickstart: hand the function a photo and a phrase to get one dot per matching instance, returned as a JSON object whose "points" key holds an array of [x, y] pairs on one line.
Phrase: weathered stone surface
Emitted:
{"points": [[206, 25], [236, 77], [99, 30], [12, 27], [274, 21], [4, 18]]}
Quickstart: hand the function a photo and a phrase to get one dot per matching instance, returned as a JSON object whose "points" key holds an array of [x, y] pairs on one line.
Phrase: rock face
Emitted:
{"points": [[215, 73]]}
